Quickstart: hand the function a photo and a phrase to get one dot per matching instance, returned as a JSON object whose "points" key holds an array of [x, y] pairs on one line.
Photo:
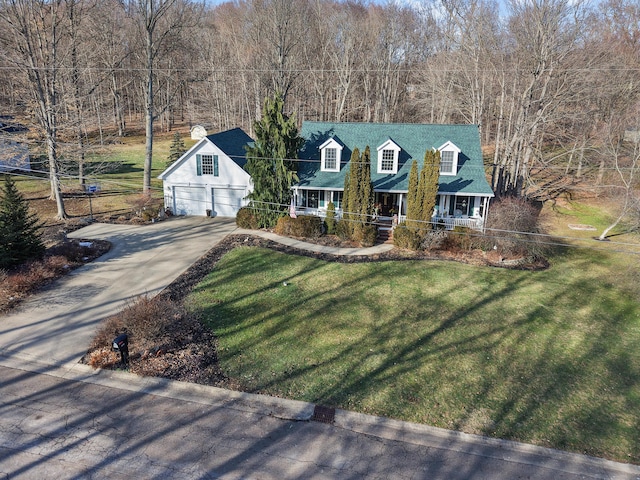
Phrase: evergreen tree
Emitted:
{"points": [[352, 204], [358, 197], [367, 194], [345, 223], [330, 219], [270, 162], [176, 150], [20, 236], [413, 206], [428, 187]]}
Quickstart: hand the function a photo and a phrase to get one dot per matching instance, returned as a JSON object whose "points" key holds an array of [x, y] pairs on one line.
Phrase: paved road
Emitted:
{"points": [[116, 425], [60, 419]]}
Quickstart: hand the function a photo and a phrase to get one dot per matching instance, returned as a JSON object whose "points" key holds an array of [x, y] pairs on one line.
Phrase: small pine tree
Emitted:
{"points": [[176, 150], [20, 236], [413, 205]]}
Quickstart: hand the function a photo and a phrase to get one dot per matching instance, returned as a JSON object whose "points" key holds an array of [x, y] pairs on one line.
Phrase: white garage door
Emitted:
{"points": [[190, 201], [227, 201]]}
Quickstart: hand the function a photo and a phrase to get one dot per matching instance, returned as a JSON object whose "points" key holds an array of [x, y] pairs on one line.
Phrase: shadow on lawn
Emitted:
{"points": [[569, 383]]}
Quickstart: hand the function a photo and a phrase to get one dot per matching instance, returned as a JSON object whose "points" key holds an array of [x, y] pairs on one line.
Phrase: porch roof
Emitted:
{"points": [[414, 140]]}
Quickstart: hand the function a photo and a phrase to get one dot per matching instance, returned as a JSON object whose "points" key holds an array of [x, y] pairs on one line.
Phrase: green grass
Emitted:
{"points": [[130, 155], [545, 357], [585, 213]]}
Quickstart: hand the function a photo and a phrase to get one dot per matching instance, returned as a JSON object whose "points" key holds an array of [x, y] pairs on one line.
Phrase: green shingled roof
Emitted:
{"points": [[232, 143], [413, 139]]}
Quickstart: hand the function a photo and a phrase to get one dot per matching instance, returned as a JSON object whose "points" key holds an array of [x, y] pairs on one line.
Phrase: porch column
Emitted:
{"points": [[400, 198], [485, 210]]}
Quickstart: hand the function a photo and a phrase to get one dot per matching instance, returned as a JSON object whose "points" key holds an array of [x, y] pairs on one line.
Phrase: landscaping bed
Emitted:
{"points": [[62, 256]]}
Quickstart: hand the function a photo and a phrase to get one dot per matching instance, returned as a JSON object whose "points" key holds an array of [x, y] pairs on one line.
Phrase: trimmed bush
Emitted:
{"points": [[368, 235], [405, 237], [145, 207], [434, 239], [330, 220], [460, 238], [365, 235], [304, 226], [246, 219], [342, 230]]}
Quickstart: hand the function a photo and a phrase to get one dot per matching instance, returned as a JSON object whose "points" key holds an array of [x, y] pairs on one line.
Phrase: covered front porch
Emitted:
{"points": [[390, 207]]}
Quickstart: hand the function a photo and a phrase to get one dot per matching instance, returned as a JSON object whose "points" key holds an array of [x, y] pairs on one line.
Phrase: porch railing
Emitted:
{"points": [[450, 223], [476, 223]]}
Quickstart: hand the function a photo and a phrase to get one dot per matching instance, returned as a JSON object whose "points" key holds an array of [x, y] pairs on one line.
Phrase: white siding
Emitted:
{"points": [[194, 194]]}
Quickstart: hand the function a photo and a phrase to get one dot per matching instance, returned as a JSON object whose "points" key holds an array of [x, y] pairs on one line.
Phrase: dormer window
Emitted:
{"points": [[449, 159], [388, 154], [331, 155]]}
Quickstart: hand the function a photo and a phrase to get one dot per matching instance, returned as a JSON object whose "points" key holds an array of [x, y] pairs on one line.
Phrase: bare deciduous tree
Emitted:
{"points": [[159, 24], [621, 148], [33, 34]]}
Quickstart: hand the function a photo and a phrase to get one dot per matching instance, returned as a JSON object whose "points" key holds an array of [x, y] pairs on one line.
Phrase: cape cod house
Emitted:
{"points": [[463, 191], [209, 179]]}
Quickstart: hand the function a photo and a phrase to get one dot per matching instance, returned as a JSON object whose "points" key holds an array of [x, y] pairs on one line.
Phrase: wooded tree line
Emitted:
{"points": [[553, 84]]}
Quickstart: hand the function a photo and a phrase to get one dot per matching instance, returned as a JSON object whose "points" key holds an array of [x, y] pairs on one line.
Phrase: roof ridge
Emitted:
{"points": [[395, 123]]}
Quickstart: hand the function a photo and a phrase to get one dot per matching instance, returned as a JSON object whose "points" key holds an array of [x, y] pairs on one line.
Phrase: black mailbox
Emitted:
{"points": [[121, 344]]}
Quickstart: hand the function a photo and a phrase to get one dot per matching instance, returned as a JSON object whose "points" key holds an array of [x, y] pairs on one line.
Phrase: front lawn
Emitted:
{"points": [[547, 357]]}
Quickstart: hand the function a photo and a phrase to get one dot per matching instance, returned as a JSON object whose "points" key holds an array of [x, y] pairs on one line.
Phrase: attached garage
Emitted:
{"points": [[226, 201], [189, 200], [210, 177]]}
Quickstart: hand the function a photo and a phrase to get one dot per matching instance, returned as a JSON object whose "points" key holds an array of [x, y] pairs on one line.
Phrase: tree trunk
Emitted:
{"points": [[148, 119]]}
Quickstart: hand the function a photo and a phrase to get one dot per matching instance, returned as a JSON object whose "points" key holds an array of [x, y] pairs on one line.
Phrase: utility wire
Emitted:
{"points": [[228, 70], [527, 237]]}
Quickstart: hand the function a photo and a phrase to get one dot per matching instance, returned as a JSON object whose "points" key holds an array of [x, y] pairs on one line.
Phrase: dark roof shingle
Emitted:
{"points": [[232, 143], [414, 140]]}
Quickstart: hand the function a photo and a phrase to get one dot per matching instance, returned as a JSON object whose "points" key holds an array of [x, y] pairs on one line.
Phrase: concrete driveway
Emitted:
{"points": [[57, 325]]}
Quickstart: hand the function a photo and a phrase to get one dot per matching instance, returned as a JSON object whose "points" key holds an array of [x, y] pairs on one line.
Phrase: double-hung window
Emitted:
{"points": [[330, 159], [387, 161], [446, 162], [207, 165]]}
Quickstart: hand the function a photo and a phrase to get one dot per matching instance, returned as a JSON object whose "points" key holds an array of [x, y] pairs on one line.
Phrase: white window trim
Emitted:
{"points": [[389, 145], [451, 147], [331, 143]]}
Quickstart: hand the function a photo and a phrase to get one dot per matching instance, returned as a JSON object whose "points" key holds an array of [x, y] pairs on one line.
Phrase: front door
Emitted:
{"points": [[387, 203]]}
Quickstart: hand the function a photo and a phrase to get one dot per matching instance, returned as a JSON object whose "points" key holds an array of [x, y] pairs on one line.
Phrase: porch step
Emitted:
{"points": [[385, 235]]}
